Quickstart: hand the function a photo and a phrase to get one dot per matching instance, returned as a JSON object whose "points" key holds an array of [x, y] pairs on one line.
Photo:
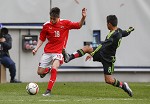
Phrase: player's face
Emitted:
{"points": [[108, 26], [54, 20]]}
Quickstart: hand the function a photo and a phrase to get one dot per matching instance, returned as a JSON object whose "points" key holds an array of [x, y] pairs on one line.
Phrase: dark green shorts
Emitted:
{"points": [[107, 66]]}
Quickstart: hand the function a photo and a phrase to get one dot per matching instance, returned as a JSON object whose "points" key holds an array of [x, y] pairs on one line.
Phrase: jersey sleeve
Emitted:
{"points": [[43, 34], [73, 25], [125, 33]]}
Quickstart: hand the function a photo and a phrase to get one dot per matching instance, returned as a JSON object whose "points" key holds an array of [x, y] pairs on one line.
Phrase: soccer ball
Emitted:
{"points": [[32, 88]]}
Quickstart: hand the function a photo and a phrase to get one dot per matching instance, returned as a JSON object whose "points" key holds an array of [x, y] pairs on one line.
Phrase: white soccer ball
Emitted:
{"points": [[32, 88]]}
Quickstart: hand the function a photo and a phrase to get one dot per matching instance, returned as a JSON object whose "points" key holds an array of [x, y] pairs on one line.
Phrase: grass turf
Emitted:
{"points": [[75, 93]]}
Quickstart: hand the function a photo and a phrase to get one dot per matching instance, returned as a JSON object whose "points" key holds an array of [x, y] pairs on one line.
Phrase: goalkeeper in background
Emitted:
{"points": [[105, 53]]}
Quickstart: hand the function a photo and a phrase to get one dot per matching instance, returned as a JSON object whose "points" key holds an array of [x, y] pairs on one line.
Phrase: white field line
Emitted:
{"points": [[52, 100], [115, 99], [11, 100], [111, 99]]}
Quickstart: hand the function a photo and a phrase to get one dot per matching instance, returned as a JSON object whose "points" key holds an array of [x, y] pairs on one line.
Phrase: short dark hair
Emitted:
{"points": [[55, 12], [112, 19], [4, 31]]}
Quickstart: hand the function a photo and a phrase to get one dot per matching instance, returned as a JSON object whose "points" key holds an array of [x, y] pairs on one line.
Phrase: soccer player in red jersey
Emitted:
{"points": [[56, 32]]}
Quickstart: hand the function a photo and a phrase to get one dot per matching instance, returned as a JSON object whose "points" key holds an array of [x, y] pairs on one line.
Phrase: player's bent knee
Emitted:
{"points": [[40, 71], [87, 49]]}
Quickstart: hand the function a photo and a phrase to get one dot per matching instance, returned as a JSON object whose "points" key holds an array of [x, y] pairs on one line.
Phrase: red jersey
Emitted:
{"points": [[57, 35]]}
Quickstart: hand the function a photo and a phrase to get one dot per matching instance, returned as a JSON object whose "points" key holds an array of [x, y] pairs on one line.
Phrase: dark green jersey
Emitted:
{"points": [[107, 49]]}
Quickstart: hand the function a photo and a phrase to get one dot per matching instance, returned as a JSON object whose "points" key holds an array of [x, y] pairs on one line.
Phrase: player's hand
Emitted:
{"points": [[131, 29], [89, 57], [84, 12], [34, 51]]}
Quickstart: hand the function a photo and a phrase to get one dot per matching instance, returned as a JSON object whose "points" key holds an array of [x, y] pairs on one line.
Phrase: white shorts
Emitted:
{"points": [[48, 58]]}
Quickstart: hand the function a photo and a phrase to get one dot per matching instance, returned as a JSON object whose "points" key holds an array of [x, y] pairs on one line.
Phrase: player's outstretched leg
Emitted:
{"points": [[77, 54], [127, 89], [47, 70]]}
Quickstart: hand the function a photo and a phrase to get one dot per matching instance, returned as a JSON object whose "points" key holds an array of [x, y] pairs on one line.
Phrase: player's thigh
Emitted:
{"points": [[57, 60], [46, 60], [108, 67], [97, 56], [56, 64], [108, 70]]}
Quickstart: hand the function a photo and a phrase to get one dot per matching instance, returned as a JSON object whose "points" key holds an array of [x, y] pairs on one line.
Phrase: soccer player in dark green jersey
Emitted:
{"points": [[105, 53]]}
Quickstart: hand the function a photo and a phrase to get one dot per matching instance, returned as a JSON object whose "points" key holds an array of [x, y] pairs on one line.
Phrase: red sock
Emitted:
{"points": [[52, 78], [46, 70], [121, 84], [79, 53], [76, 55]]}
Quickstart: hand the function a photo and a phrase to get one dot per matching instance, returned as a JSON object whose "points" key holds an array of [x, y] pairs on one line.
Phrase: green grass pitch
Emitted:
{"points": [[75, 93]]}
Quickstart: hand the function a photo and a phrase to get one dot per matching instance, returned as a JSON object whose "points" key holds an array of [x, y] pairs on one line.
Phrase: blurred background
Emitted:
{"points": [[24, 19]]}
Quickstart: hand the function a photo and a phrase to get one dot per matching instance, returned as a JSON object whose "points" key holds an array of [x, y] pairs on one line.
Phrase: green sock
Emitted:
{"points": [[117, 83]]}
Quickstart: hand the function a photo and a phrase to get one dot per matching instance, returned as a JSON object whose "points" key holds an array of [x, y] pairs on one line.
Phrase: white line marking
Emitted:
{"points": [[119, 99], [11, 100], [52, 100]]}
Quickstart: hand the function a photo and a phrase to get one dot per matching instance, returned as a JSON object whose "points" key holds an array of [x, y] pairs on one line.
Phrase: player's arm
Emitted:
{"points": [[42, 38], [37, 47], [127, 32], [83, 17]]}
